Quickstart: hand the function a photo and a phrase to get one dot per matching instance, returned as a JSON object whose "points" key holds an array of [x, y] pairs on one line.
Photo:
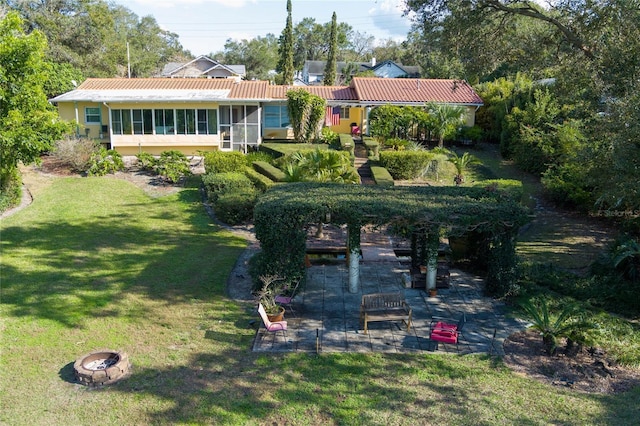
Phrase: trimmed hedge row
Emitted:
{"points": [[346, 143], [403, 165], [271, 172], [260, 181], [372, 145], [381, 176], [218, 184], [224, 161], [513, 188]]}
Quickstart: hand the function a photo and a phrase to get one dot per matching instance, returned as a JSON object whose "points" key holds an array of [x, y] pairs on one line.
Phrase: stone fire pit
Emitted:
{"points": [[101, 367]]}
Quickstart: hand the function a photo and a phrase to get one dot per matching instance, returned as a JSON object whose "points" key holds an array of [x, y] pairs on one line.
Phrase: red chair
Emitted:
{"points": [[274, 326], [355, 130], [445, 331]]}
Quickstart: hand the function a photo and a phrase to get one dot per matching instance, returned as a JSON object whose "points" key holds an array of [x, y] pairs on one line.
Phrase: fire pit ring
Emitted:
{"points": [[101, 367]]}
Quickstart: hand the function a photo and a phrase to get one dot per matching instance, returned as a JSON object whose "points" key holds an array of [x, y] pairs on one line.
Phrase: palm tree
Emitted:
{"points": [[461, 164], [568, 322], [445, 120]]}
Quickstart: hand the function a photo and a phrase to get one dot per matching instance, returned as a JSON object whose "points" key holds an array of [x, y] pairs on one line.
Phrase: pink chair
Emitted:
{"points": [[286, 300], [355, 130], [274, 326], [446, 331]]}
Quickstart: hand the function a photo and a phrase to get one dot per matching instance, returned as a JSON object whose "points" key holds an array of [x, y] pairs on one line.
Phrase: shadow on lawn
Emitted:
{"points": [[235, 387], [68, 271]]}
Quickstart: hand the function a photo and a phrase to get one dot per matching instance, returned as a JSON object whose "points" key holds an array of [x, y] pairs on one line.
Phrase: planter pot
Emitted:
{"points": [[433, 292], [276, 317], [423, 269]]}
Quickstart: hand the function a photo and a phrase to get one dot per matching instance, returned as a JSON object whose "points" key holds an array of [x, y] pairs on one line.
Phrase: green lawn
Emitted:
{"points": [[94, 263]]}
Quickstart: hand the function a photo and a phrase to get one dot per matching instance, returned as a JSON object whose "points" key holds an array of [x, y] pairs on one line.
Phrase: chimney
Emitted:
{"points": [[373, 62]]}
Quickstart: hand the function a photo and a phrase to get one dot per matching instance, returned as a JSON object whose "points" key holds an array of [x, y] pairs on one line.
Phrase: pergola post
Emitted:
{"points": [[353, 247], [433, 243]]}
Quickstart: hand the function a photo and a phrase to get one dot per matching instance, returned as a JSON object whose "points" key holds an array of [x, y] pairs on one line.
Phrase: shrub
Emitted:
{"points": [[222, 161], [235, 208], [568, 321], [405, 164], [381, 176], [146, 161], [218, 184], [346, 143], [10, 190], [258, 156], [172, 165], [511, 187], [272, 172], [75, 152], [396, 143], [330, 137], [372, 146], [260, 181], [103, 162]]}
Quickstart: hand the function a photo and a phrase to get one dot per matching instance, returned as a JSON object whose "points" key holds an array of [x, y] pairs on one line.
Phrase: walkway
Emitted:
{"points": [[326, 315]]}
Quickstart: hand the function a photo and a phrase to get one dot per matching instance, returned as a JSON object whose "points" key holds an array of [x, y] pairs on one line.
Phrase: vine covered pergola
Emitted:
{"points": [[423, 214]]}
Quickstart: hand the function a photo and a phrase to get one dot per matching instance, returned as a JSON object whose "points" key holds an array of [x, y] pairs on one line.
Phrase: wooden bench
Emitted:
{"points": [[384, 307]]}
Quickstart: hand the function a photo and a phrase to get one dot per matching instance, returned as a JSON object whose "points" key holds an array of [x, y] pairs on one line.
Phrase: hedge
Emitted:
{"points": [[282, 213], [513, 188], [346, 143], [260, 181], [381, 176], [372, 145], [218, 184], [235, 208], [272, 172], [404, 165], [224, 161]]}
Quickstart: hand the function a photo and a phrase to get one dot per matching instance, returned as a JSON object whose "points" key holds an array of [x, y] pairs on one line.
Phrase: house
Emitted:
{"points": [[313, 71], [199, 114], [203, 67]]}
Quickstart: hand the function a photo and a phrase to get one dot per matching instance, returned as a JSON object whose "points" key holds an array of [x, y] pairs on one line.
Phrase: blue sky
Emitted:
{"points": [[205, 25]]}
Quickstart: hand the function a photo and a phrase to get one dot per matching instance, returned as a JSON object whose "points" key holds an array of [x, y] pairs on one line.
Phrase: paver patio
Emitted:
{"points": [[327, 316]]}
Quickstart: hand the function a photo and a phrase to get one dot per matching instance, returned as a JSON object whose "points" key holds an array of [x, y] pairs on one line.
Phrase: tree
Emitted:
{"points": [[285, 65], [30, 125], [445, 120], [95, 36], [259, 55], [461, 164], [329, 78], [306, 112]]}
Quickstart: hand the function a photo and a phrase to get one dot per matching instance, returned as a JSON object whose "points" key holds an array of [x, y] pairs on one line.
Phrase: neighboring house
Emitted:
{"points": [[203, 67], [313, 71], [196, 114]]}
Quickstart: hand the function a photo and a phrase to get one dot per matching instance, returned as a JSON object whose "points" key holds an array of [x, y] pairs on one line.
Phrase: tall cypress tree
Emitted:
{"points": [[329, 78], [285, 64]]}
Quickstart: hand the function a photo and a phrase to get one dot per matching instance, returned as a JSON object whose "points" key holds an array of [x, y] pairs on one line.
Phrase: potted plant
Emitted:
{"points": [[267, 297]]}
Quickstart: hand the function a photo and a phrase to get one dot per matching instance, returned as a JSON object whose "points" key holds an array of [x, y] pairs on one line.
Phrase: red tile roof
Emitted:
{"points": [[414, 90], [363, 90], [330, 93]]}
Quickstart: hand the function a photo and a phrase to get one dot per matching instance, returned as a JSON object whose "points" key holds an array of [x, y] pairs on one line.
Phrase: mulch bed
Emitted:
{"points": [[589, 370]]}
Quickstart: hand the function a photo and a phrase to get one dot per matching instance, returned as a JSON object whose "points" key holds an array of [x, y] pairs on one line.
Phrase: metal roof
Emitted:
{"points": [[369, 91]]}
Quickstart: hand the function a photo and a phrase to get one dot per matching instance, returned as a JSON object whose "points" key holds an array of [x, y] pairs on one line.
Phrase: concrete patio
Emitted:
{"points": [[327, 316]]}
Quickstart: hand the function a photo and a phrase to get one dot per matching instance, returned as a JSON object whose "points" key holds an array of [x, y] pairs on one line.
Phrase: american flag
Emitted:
{"points": [[332, 117]]}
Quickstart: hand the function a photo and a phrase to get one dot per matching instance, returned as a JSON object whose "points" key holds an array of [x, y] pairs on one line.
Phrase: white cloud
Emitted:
{"points": [[387, 15]]}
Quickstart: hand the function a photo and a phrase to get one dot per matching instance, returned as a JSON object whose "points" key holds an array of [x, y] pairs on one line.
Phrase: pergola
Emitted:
{"points": [[423, 214]]}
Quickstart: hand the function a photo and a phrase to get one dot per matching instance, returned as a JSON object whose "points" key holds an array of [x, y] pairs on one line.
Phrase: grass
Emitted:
{"points": [[94, 263]]}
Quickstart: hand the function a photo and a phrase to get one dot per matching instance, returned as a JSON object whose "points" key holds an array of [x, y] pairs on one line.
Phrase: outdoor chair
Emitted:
{"points": [[286, 297], [355, 130], [446, 331], [272, 326]]}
